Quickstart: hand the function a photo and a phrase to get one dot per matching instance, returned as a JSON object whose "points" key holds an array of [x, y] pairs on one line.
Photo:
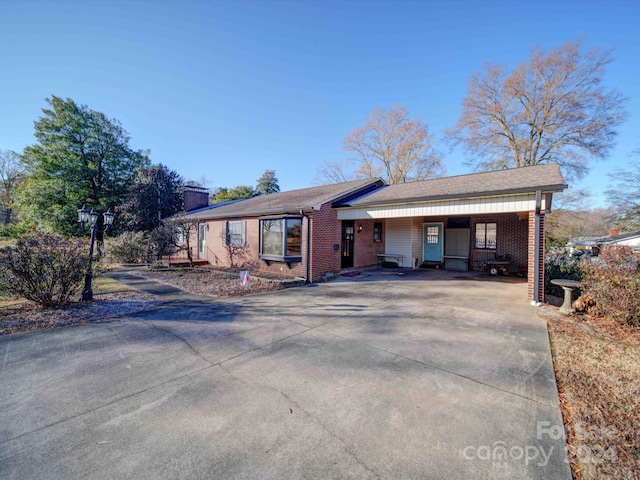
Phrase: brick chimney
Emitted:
{"points": [[194, 197], [614, 231]]}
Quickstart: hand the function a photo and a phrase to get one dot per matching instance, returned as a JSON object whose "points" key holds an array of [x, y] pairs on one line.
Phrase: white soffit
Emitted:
{"points": [[462, 206]]}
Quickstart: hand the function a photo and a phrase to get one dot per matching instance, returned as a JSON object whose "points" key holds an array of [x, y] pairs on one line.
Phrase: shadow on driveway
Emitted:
{"points": [[387, 377]]}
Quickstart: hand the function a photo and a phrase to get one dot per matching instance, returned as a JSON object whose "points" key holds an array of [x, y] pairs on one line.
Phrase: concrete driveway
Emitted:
{"points": [[424, 376]]}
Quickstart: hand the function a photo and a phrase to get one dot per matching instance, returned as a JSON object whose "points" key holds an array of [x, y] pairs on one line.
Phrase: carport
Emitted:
{"points": [[460, 222]]}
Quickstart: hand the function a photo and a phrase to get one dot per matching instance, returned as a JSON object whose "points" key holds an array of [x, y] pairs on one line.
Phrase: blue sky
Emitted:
{"points": [[230, 89]]}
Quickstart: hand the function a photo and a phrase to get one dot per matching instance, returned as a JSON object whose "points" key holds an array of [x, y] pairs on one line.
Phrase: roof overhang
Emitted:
{"points": [[432, 198], [524, 201], [216, 213], [257, 213]]}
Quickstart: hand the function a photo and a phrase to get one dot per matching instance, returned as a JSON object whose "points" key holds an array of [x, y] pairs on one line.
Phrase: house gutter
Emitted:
{"points": [[536, 250]]}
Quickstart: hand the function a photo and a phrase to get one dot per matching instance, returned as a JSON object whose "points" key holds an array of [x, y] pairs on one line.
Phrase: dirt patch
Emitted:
{"points": [[597, 363], [208, 282]]}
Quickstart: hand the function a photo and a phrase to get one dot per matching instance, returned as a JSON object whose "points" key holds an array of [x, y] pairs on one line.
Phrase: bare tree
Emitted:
{"points": [[330, 172], [623, 195], [554, 108], [392, 146], [11, 176], [172, 236], [570, 221], [235, 251]]}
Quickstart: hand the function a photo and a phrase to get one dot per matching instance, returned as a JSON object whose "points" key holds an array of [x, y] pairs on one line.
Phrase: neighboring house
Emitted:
{"points": [[455, 223], [593, 245], [622, 239], [581, 245]]}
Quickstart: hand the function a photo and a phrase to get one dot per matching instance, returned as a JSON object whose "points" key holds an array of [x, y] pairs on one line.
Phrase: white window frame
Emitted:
{"points": [[180, 236], [281, 256], [235, 233], [484, 244]]}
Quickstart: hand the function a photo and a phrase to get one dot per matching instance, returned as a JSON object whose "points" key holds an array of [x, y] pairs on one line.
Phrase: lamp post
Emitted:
{"points": [[91, 217]]}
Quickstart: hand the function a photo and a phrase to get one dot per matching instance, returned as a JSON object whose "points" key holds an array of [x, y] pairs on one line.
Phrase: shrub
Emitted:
{"points": [[130, 247], [162, 240], [7, 231], [158, 266], [614, 283], [44, 268], [561, 266]]}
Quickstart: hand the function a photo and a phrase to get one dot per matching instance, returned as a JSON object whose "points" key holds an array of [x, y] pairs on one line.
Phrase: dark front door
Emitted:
{"points": [[347, 244]]}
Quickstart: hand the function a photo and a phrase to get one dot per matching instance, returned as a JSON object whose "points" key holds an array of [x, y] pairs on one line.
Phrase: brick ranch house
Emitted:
{"points": [[455, 223]]}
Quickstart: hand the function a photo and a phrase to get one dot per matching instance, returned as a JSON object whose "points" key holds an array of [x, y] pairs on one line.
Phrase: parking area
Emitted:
{"points": [[427, 375]]}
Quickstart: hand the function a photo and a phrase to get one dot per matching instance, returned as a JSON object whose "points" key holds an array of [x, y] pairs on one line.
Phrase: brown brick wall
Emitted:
{"points": [[511, 239], [530, 251], [365, 249], [327, 232], [195, 198]]}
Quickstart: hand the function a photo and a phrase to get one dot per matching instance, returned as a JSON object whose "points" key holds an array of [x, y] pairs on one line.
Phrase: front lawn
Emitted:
{"points": [[111, 299], [597, 363]]}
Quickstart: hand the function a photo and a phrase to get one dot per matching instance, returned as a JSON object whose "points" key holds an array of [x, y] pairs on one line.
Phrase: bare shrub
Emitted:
{"points": [[44, 268], [584, 303], [175, 236], [162, 241], [129, 247], [614, 284]]}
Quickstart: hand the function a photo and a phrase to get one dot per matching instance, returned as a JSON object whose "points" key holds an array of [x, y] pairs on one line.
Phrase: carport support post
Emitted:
{"points": [[536, 250]]}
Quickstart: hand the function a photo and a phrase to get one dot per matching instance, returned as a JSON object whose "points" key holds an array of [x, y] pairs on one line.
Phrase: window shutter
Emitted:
{"points": [[225, 237], [244, 232]]}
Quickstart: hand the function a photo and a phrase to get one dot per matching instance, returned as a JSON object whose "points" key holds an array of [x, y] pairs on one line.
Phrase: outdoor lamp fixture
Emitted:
{"points": [[360, 227], [91, 218]]}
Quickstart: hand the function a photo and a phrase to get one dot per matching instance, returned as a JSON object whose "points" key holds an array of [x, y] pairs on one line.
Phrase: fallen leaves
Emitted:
{"points": [[27, 316], [206, 282], [597, 363]]}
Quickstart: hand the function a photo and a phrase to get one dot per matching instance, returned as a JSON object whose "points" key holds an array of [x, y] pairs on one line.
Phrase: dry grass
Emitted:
{"points": [[597, 364], [207, 282]]}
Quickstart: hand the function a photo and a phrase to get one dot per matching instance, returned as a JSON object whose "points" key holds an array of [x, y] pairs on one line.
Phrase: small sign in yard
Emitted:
{"points": [[245, 278]]}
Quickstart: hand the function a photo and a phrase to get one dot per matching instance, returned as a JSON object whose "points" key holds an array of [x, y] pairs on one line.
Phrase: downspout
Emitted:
{"points": [[308, 255], [536, 250]]}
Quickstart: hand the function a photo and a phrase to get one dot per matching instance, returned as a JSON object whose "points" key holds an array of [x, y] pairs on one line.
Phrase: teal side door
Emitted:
{"points": [[433, 242]]}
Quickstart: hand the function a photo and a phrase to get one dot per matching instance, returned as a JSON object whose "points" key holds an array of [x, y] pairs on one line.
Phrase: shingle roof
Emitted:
{"points": [[283, 202], [214, 205], [547, 178], [622, 236]]}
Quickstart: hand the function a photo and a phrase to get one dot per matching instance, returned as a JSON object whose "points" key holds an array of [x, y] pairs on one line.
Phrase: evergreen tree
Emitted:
{"points": [[81, 157]]}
